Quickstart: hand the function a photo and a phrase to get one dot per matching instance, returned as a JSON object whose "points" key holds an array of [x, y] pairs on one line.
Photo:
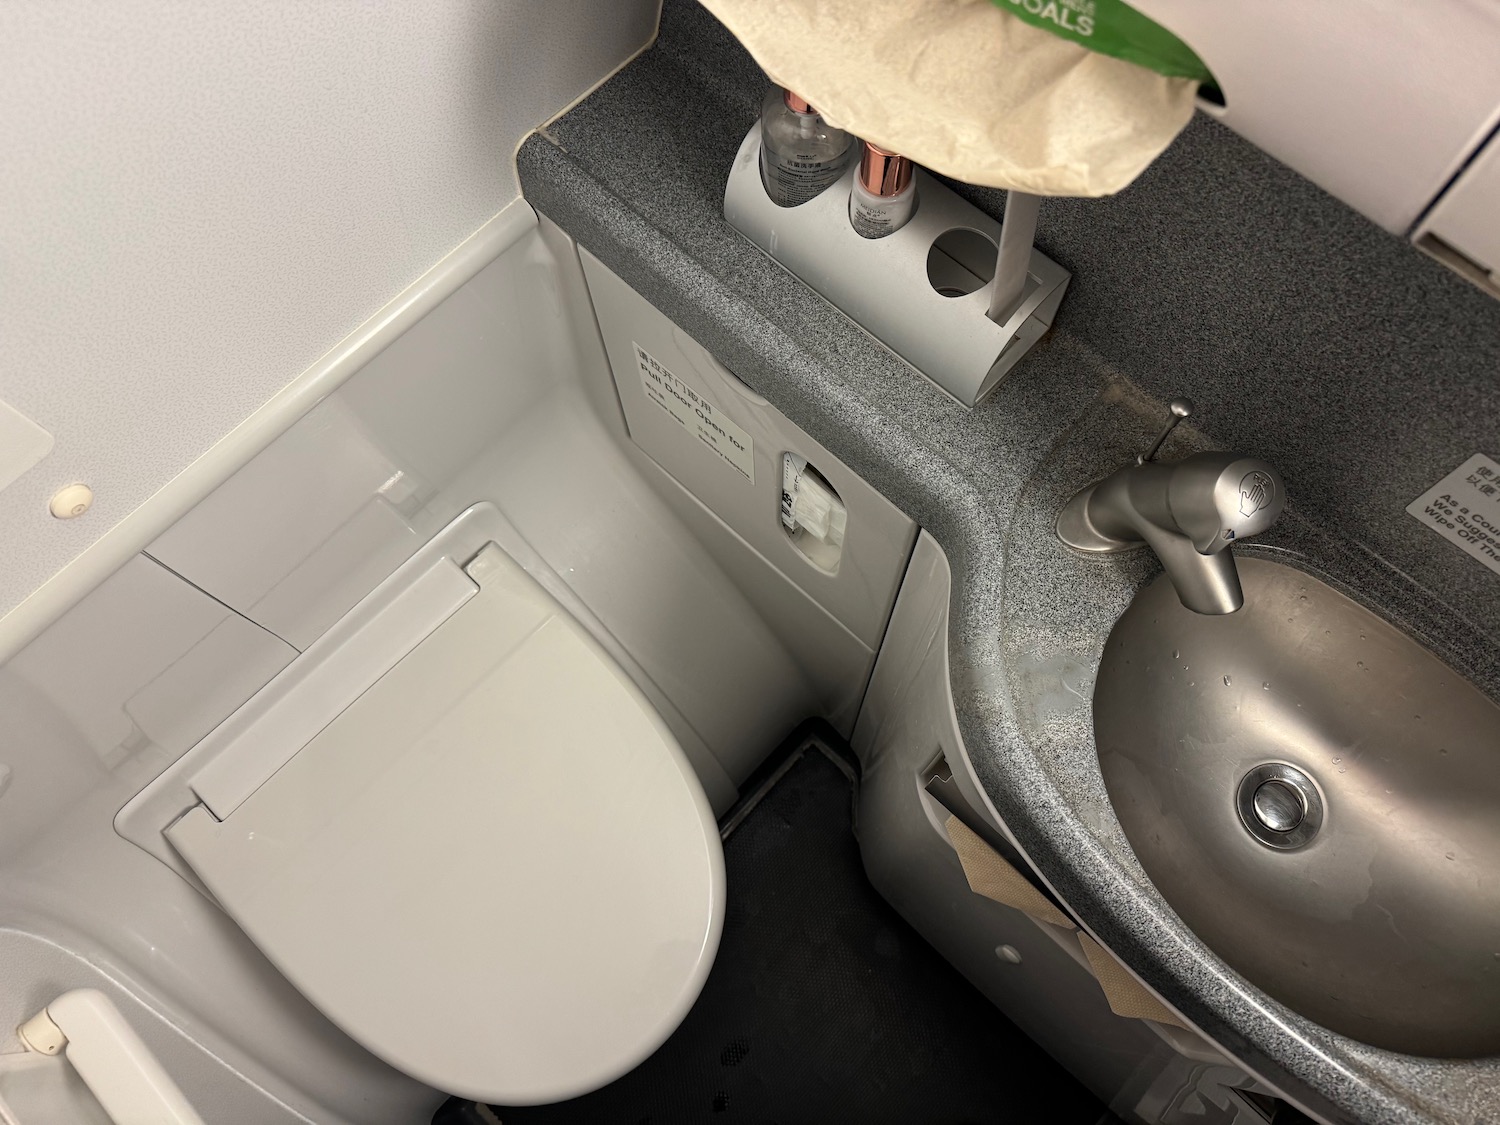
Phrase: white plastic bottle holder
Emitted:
{"points": [[923, 290]]}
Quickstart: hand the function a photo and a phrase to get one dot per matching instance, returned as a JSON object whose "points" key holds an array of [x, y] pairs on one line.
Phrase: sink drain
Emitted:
{"points": [[1279, 805]]}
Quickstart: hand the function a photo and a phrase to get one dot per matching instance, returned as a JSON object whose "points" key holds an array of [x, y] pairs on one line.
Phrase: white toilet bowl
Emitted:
{"points": [[463, 833]]}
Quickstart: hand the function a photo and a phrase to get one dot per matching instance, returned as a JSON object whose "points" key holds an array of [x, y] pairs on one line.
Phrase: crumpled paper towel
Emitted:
{"points": [[967, 90]]}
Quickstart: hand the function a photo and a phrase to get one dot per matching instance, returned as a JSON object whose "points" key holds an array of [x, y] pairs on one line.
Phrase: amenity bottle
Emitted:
{"points": [[884, 194], [801, 155]]}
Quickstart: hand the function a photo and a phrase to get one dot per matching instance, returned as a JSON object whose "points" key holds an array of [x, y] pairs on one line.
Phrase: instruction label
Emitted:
{"points": [[697, 415], [1465, 507]]}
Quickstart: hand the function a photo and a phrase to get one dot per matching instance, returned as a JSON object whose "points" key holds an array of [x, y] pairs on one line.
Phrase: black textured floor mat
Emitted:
{"points": [[824, 1006]]}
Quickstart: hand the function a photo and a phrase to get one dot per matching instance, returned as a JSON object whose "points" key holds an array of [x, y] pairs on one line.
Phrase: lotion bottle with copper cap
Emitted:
{"points": [[801, 155], [884, 194]]}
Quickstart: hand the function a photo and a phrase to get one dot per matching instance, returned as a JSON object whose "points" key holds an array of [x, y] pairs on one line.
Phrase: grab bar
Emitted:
{"points": [[117, 1067]]}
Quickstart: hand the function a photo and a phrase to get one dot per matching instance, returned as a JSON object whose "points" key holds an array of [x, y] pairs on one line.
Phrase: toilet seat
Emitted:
{"points": [[494, 868]]}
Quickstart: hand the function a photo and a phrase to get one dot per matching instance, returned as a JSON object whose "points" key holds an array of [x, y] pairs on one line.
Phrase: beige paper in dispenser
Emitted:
{"points": [[1127, 996], [989, 875], [967, 90]]}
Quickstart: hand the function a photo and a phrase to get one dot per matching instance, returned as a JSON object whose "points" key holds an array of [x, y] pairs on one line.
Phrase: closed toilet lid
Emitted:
{"points": [[494, 869]]}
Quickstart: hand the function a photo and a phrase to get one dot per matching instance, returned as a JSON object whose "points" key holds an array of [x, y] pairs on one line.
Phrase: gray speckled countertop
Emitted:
{"points": [[635, 173]]}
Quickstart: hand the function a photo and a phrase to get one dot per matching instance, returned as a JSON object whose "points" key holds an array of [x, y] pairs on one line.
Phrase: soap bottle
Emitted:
{"points": [[801, 155], [884, 194]]}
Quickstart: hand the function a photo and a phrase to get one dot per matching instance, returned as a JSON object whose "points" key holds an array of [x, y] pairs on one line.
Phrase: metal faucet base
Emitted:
{"points": [[1076, 531]]}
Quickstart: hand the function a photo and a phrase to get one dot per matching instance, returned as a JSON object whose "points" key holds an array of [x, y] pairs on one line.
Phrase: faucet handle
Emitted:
{"points": [[1217, 498], [1181, 408]]}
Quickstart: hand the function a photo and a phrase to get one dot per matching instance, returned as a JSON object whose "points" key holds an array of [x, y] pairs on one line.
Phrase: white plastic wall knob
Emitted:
{"points": [[71, 502]]}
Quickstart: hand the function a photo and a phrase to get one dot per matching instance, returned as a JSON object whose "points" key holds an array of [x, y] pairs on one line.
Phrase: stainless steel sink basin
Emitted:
{"points": [[1318, 797]]}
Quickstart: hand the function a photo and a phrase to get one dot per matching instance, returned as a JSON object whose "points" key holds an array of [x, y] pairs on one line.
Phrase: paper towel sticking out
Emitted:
{"points": [[967, 89], [991, 876], [1126, 996]]}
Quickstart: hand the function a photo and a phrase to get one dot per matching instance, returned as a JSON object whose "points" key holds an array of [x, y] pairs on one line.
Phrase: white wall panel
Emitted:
{"points": [[136, 648], [200, 200], [1378, 102]]}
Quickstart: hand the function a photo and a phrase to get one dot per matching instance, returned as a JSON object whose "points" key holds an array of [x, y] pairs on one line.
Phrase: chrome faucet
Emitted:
{"points": [[1189, 513]]}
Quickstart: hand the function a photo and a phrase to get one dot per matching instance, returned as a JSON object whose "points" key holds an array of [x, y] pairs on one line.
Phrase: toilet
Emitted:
{"points": [[460, 830]]}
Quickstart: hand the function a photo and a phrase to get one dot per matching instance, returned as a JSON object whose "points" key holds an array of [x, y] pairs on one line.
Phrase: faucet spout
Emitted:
{"points": [[1205, 583], [1190, 513]]}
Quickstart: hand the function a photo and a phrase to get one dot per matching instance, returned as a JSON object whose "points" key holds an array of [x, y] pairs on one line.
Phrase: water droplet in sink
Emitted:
{"points": [[1303, 598], [1442, 749], [1226, 682], [1336, 761], [1359, 663], [1447, 855], [1265, 685], [1361, 636], [1176, 654], [1341, 769], [1417, 717]]}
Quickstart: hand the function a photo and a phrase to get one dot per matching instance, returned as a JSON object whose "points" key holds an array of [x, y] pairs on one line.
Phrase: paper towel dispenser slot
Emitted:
{"points": [[937, 781]]}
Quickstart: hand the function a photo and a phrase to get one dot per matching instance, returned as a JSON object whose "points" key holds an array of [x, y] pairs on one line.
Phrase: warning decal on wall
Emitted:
{"points": [[696, 414], [1465, 507]]}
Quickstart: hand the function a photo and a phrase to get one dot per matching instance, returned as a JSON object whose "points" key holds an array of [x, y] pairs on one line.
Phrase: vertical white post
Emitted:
{"points": [[1017, 234]]}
